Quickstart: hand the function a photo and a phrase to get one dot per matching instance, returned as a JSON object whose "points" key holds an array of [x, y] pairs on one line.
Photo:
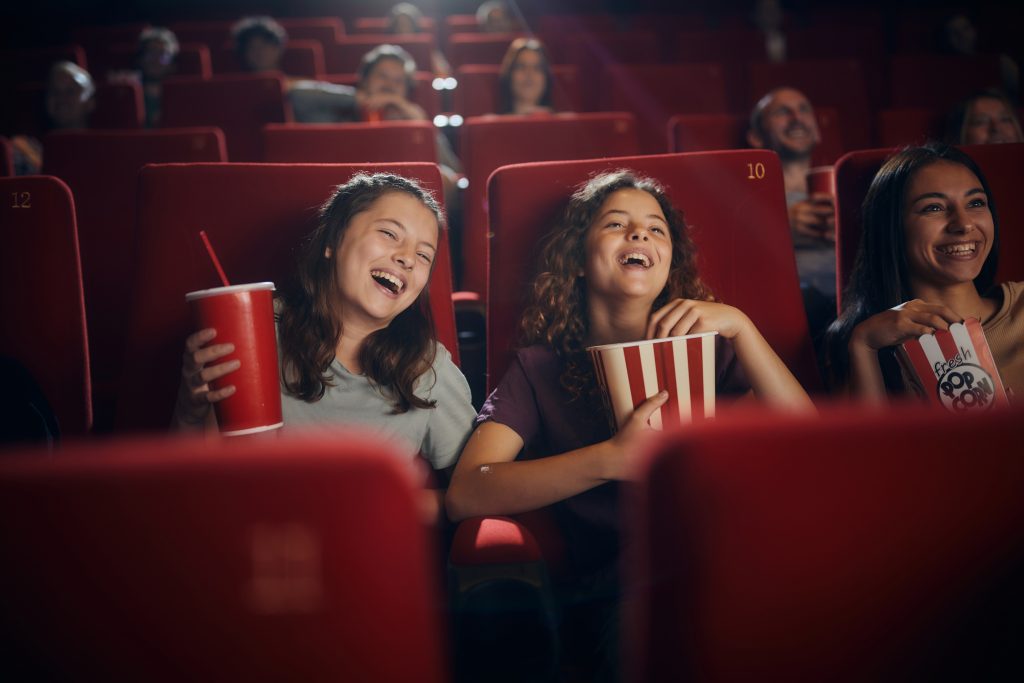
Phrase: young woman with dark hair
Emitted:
{"points": [[927, 259], [524, 83], [356, 336]]}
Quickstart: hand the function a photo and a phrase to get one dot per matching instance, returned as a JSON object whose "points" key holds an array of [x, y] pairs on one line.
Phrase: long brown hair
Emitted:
{"points": [[309, 329], [556, 315], [506, 99]]}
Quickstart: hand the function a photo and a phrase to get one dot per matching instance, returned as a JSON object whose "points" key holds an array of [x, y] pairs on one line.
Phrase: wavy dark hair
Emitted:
{"points": [[881, 274], [308, 326], [959, 116], [506, 99], [378, 54], [556, 315]]}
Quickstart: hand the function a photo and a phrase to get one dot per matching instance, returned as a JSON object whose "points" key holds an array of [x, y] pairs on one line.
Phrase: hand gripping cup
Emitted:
{"points": [[821, 180], [243, 315], [630, 373]]}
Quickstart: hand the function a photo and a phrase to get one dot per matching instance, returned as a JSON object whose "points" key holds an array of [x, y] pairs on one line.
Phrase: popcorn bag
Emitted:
{"points": [[955, 368], [630, 373]]}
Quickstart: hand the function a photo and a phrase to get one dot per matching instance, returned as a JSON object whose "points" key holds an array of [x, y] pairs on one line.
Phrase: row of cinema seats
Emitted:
{"points": [[138, 240], [847, 546]]}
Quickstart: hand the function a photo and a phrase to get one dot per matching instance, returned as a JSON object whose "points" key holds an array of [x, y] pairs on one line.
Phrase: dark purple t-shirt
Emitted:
{"points": [[532, 402]]}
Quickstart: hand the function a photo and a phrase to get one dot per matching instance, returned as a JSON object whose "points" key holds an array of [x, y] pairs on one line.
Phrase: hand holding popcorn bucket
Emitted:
{"points": [[632, 372]]}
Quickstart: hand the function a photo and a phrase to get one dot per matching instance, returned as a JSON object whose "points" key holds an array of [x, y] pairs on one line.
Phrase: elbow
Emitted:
{"points": [[455, 504]]}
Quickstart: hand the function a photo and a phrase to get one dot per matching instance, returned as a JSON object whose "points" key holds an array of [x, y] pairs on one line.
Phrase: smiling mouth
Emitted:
{"points": [[635, 258], [388, 281], [962, 249]]}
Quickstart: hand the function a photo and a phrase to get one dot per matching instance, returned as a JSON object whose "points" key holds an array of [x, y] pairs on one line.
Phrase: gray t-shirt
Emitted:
{"points": [[438, 433], [815, 258], [322, 102]]}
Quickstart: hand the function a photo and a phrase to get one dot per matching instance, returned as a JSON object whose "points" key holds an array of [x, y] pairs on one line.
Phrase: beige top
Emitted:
{"points": [[1005, 334]]}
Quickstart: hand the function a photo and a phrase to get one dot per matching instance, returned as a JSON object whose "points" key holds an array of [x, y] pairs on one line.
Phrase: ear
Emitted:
{"points": [[327, 252], [754, 139]]}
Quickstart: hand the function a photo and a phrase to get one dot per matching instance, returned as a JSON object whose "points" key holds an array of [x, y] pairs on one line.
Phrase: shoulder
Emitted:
{"points": [[538, 359], [441, 376]]}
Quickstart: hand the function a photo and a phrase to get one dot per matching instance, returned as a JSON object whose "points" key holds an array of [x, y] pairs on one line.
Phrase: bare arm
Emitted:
{"points": [[770, 379], [488, 479]]}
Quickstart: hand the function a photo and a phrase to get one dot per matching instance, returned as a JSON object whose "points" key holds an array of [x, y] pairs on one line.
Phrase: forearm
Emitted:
{"points": [[505, 488], [770, 379], [866, 381]]}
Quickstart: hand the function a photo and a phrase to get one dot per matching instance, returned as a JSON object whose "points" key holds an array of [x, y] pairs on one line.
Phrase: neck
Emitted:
{"points": [[962, 298], [614, 322], [794, 174], [353, 335]]}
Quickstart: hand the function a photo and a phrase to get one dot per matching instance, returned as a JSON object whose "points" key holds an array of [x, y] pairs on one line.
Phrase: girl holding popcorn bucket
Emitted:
{"points": [[926, 261]]}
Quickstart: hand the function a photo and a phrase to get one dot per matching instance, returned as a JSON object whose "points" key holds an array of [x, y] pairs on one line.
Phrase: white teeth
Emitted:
{"points": [[381, 275], [644, 260], [957, 249]]}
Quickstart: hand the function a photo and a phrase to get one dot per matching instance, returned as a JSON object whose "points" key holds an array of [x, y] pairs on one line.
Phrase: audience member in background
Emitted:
{"points": [[768, 17], [259, 43], [355, 331], [619, 267], [157, 49], [406, 18], [927, 258], [525, 81], [70, 99], [784, 122], [985, 118], [496, 16], [959, 35]]}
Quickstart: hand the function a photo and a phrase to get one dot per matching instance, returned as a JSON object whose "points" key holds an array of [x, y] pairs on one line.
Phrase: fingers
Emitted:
{"points": [[208, 354], [215, 372], [199, 339], [643, 412], [666, 317]]}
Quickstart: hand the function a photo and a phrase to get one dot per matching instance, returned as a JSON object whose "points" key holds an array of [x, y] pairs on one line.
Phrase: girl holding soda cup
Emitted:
{"points": [[355, 333]]}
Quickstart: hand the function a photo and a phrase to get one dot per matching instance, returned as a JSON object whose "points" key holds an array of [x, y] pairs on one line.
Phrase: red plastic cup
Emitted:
{"points": [[243, 315], [822, 180], [630, 373]]}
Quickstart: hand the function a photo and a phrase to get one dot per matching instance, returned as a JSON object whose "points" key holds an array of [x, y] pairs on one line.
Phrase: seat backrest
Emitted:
{"points": [[193, 59], [490, 142], [321, 29], [211, 33], [347, 143], [835, 83], [591, 52], [41, 295], [478, 48], [118, 105], [343, 57], [6, 158], [381, 25], [477, 93], [219, 559], [940, 81], [846, 546], [300, 58], [654, 92], [1001, 165], [102, 169], [240, 105], [20, 66], [256, 216], [734, 203], [909, 126]]}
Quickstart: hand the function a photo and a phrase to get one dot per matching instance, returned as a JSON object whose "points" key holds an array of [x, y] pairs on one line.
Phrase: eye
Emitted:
{"points": [[615, 224], [389, 233], [977, 203], [658, 229], [426, 257]]}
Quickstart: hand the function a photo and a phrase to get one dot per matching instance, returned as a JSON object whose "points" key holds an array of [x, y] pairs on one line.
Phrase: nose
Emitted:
{"points": [[959, 220], [404, 258], [638, 234]]}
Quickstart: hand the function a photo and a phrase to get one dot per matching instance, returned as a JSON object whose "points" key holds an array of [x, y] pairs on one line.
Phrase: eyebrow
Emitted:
{"points": [[940, 195], [626, 213], [424, 243]]}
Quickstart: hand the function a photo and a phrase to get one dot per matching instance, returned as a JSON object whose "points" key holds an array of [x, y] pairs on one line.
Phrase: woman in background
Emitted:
{"points": [[524, 83]]}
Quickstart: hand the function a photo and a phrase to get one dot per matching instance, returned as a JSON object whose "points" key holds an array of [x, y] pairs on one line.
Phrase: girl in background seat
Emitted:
{"points": [[524, 83]]}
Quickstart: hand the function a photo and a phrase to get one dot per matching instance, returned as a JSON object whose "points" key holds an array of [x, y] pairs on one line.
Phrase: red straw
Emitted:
{"points": [[213, 257]]}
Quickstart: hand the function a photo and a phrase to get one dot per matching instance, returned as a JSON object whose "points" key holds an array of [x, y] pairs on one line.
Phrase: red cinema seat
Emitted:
{"points": [[193, 59], [747, 263], [489, 142], [118, 105], [850, 546], [96, 38], [256, 216], [654, 92], [709, 132], [592, 52], [343, 57], [321, 29], [41, 295], [477, 93], [940, 81], [239, 105], [300, 58], [382, 24], [909, 126], [211, 33], [31, 65], [1001, 165], [219, 559], [478, 48], [577, 23], [346, 143], [102, 168], [6, 158], [835, 83], [460, 23], [423, 93]]}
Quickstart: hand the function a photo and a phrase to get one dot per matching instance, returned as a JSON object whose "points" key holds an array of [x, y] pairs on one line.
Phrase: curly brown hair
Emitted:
{"points": [[556, 315], [308, 326]]}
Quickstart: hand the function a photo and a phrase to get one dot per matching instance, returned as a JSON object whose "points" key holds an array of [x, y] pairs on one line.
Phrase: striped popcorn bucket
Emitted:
{"points": [[630, 373], [955, 368]]}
